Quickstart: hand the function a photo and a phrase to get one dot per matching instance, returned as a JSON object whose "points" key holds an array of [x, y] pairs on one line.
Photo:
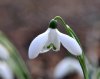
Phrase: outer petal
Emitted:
{"points": [[5, 71], [70, 44], [4, 54], [37, 45], [66, 67], [45, 49]]}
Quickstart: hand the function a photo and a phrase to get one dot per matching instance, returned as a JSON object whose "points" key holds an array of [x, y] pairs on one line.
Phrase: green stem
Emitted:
{"points": [[58, 18], [15, 61], [83, 66], [71, 33], [98, 74], [67, 28]]}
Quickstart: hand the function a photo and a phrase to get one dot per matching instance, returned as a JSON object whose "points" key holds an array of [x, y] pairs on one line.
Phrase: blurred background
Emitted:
{"points": [[23, 20]]}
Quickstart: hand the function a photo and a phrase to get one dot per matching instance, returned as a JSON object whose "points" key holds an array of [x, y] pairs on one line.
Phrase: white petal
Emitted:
{"points": [[37, 45], [67, 65], [56, 41], [5, 71], [44, 49], [4, 54], [52, 39], [70, 44]]}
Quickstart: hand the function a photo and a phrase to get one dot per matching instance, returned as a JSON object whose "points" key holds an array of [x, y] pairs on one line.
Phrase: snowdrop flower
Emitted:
{"points": [[4, 54], [51, 39], [67, 66], [5, 71]]}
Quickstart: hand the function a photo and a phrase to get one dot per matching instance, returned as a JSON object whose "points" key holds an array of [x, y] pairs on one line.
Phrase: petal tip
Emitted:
{"points": [[31, 55]]}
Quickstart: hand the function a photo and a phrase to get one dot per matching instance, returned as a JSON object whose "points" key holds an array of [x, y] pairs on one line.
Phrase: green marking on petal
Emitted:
{"points": [[51, 46], [54, 47], [48, 47]]}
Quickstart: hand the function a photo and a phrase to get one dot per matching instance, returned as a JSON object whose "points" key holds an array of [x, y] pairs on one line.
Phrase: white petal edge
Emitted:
{"points": [[4, 54], [45, 49], [70, 44], [5, 71], [66, 65], [37, 45]]}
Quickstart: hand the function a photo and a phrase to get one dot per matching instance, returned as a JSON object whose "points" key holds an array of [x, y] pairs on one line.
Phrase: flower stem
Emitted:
{"points": [[83, 66], [71, 33], [97, 74]]}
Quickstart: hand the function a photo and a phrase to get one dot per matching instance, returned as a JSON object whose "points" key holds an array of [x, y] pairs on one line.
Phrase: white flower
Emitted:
{"points": [[51, 39], [66, 67], [4, 54], [5, 71]]}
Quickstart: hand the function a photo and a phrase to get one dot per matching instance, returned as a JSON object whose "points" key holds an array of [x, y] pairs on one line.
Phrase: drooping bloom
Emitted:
{"points": [[51, 39], [10, 61], [68, 66], [5, 71]]}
